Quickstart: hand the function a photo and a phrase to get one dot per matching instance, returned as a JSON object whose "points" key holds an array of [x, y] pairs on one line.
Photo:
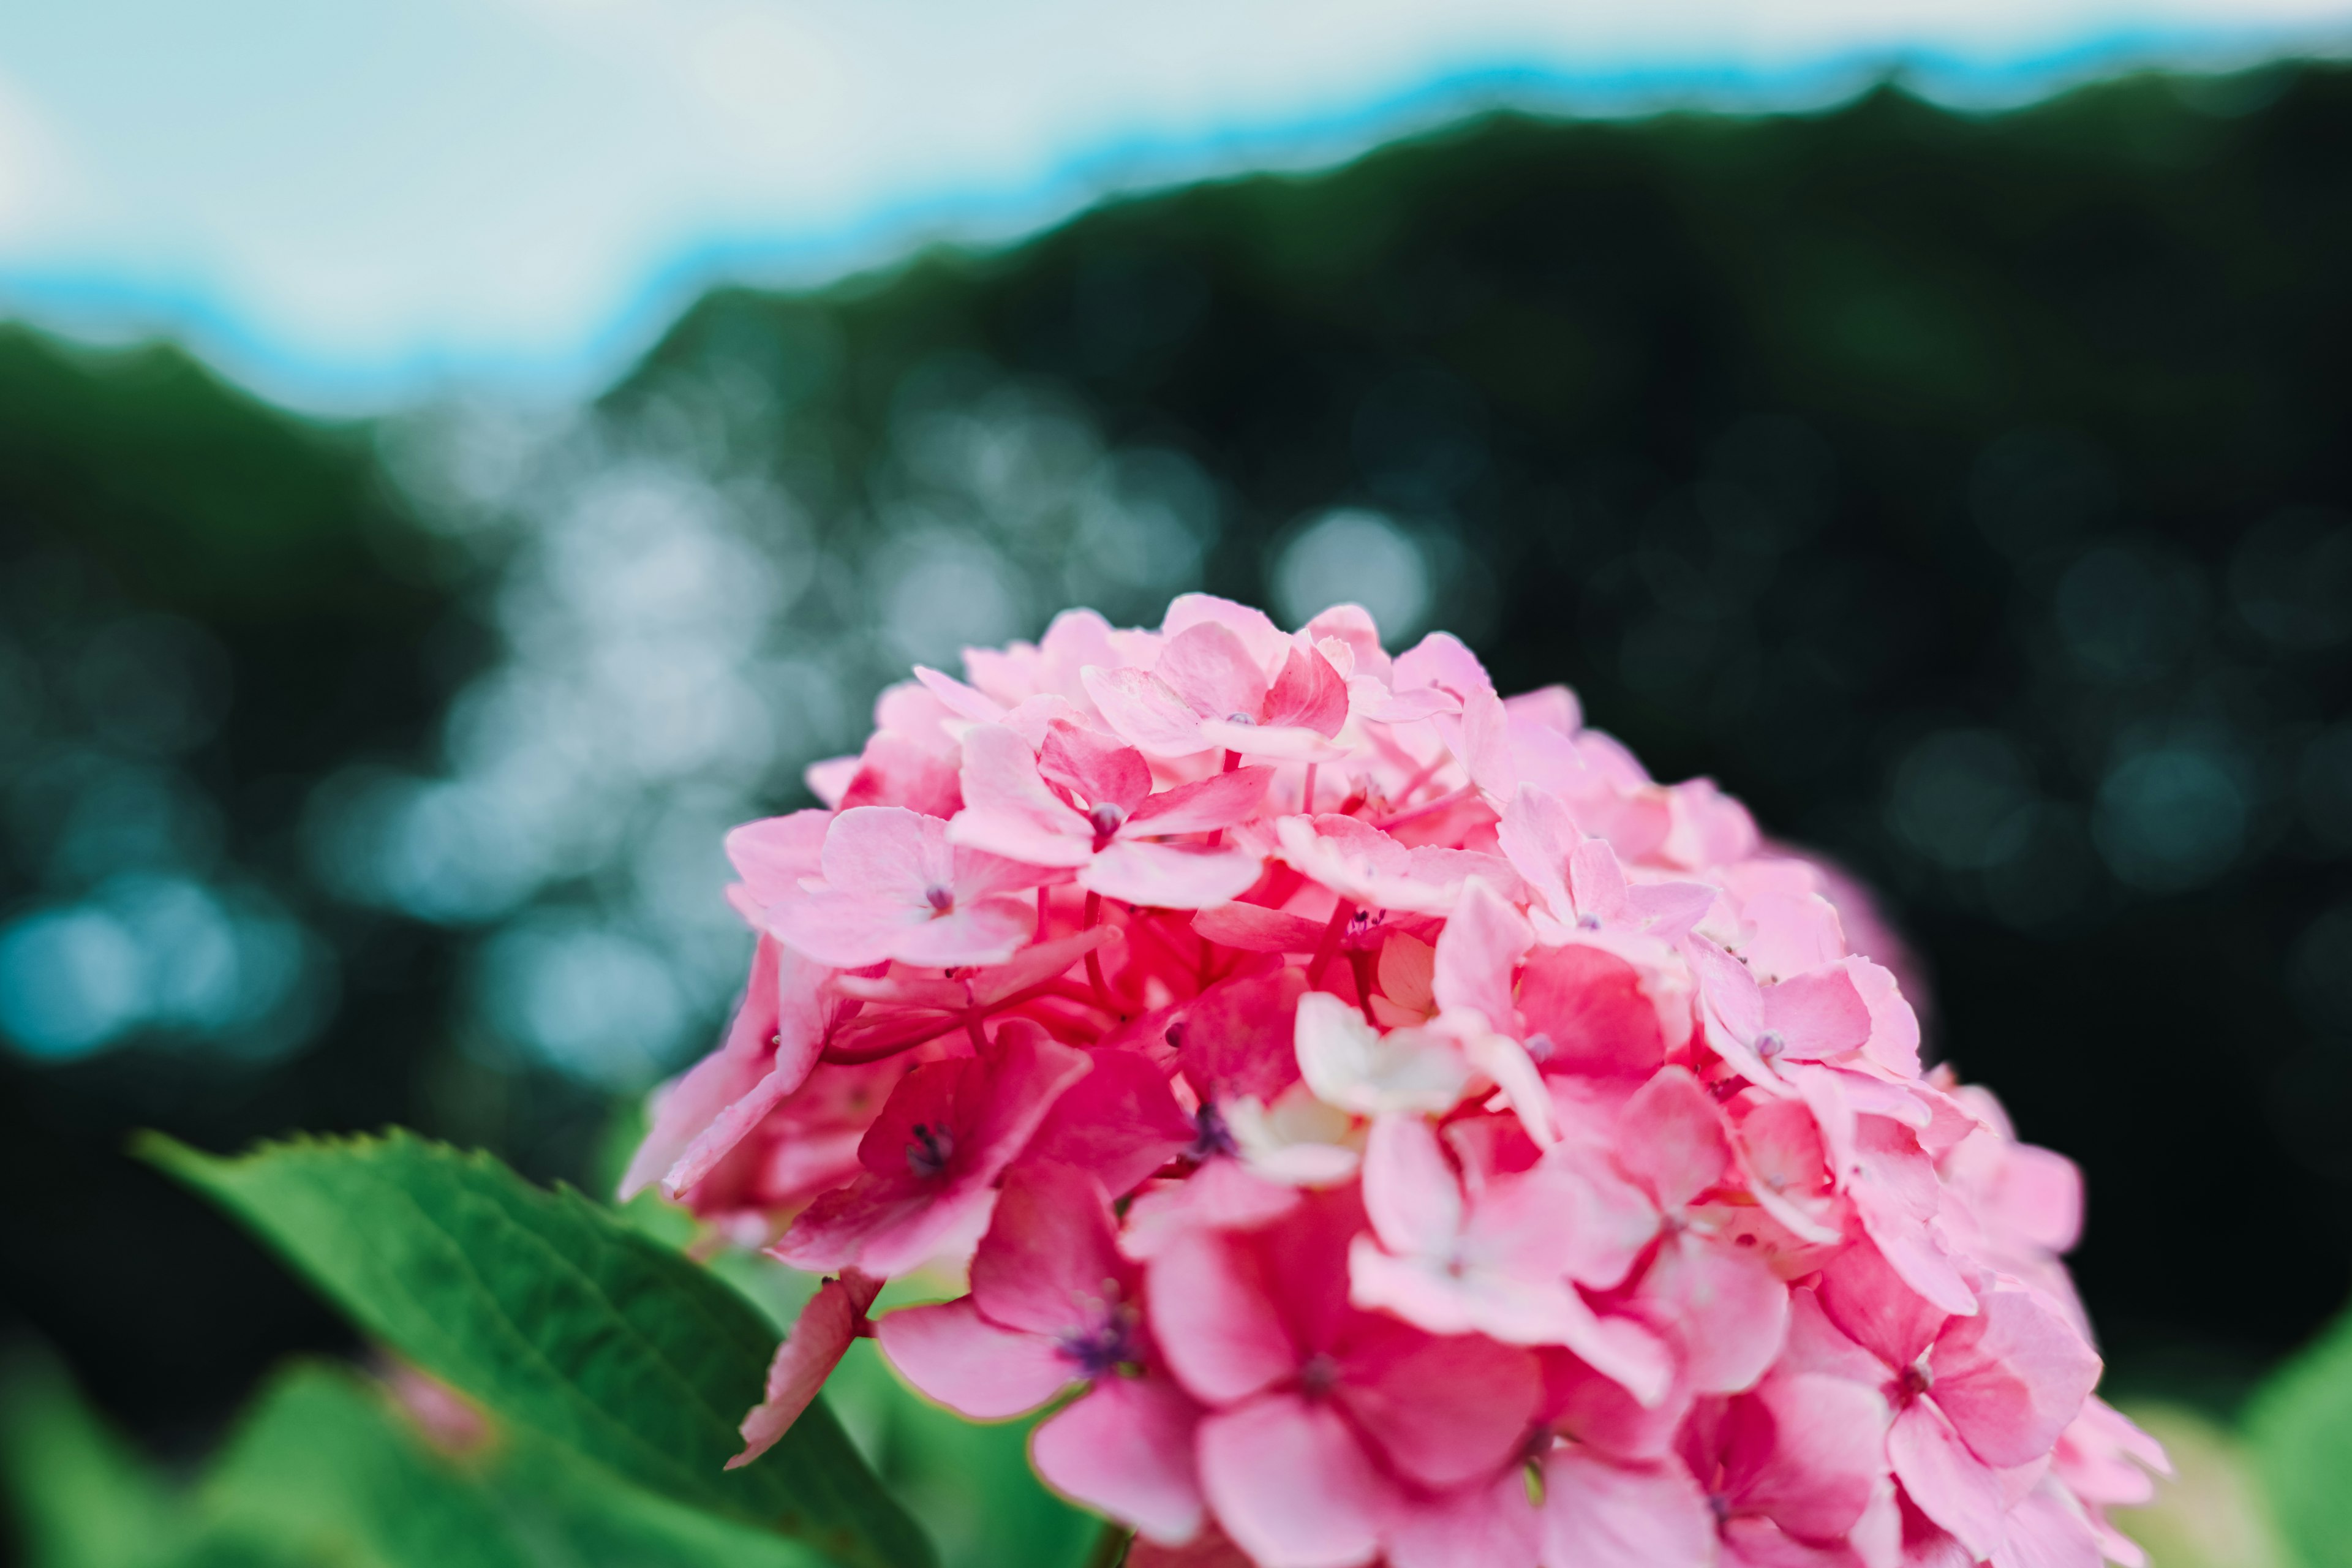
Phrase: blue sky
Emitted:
{"points": [[350, 205]]}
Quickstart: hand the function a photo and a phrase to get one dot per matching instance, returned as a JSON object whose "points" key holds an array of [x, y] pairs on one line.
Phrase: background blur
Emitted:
{"points": [[1966, 489]]}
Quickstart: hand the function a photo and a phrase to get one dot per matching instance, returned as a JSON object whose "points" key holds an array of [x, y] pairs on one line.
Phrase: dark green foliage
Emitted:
{"points": [[561, 1321]]}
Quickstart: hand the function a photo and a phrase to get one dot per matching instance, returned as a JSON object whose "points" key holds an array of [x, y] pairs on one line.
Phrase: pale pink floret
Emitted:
{"points": [[1321, 1410], [894, 888], [1103, 821], [931, 1159], [1211, 690], [1724, 1307], [1373, 870], [1973, 1395], [1053, 1303], [1505, 1257]]}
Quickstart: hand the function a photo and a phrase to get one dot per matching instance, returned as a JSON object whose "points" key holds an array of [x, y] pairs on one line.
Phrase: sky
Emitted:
{"points": [[353, 206]]}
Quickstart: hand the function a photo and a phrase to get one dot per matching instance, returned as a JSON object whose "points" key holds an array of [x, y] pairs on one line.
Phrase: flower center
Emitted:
{"points": [[1241, 719], [1108, 1345], [1210, 1136], [1319, 1375], [1917, 1379], [1589, 920], [1771, 1044], [929, 1155], [1539, 1046], [940, 899], [1106, 819]]}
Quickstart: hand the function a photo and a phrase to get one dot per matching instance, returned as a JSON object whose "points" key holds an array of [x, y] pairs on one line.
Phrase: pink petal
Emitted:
{"points": [[897, 771], [843, 930], [1759, 1544], [1120, 1123], [1817, 1014], [1440, 660], [1440, 1408], [1893, 1024], [1537, 834], [1669, 910], [1670, 1136], [1730, 1310], [958, 698], [884, 1224], [977, 875], [1910, 1249], [1481, 738], [1291, 1485], [1255, 928], [1807, 1451], [954, 1355], [1601, 1515], [2013, 1377], [1950, 1485], [1597, 882], [1164, 876], [806, 1358], [1093, 766], [2047, 1530], [989, 932], [1005, 799], [1015, 836], [1591, 1006], [1127, 1448], [1223, 1195], [1212, 1319], [1481, 945], [773, 855], [1028, 1071], [1734, 1002], [1211, 671], [1817, 1345], [1353, 625], [1145, 712], [830, 780], [1410, 1191], [887, 852], [1600, 1411], [1872, 1305], [1049, 1264], [1266, 641], [1486, 1524], [1210, 1548], [1568, 1215], [1272, 742], [1239, 1036], [1218, 801], [1793, 932], [684, 1112], [1308, 693]]}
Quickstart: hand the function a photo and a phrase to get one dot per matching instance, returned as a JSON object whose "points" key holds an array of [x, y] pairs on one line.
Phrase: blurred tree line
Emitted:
{"points": [[1968, 492]]}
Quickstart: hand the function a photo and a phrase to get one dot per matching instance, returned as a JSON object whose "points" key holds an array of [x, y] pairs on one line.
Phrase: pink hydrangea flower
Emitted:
{"points": [[1394, 1127]]}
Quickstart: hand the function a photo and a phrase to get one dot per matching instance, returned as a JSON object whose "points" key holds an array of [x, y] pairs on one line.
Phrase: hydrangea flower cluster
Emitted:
{"points": [[1386, 1126]]}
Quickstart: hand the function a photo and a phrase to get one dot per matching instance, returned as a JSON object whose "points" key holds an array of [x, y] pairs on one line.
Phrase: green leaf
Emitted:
{"points": [[2300, 1425], [82, 1497], [325, 1470], [559, 1317]]}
